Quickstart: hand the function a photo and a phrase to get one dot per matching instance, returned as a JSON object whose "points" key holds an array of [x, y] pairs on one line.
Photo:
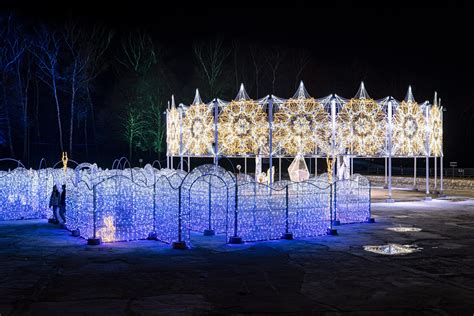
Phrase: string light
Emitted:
{"points": [[172, 131], [408, 130], [300, 126], [198, 130], [436, 131], [243, 128], [361, 127]]}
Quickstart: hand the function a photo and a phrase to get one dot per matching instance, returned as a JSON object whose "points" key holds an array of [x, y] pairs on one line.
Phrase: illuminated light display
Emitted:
{"points": [[301, 125], [129, 204], [409, 128], [361, 126], [173, 130], [298, 170], [436, 130], [243, 127], [198, 128]]}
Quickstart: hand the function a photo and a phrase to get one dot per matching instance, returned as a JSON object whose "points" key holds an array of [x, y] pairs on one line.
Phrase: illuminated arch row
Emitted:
{"points": [[436, 131], [243, 128], [198, 130], [409, 130], [361, 127], [301, 126], [172, 131]]}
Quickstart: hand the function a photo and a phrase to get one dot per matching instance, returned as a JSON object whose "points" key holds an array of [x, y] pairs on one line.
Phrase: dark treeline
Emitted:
{"points": [[98, 91]]}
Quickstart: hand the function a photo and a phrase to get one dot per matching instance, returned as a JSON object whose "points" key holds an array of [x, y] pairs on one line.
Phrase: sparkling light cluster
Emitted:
{"points": [[409, 130], [301, 126], [243, 128], [129, 204], [198, 130], [436, 131], [361, 127], [173, 131]]}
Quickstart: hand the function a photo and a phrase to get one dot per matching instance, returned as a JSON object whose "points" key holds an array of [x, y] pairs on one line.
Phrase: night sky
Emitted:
{"points": [[387, 48]]}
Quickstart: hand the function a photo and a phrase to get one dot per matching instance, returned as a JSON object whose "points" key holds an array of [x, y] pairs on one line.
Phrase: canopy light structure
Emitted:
{"points": [[305, 126]]}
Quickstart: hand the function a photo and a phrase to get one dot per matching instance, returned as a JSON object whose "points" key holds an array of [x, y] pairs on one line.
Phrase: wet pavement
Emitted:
{"points": [[44, 270]]}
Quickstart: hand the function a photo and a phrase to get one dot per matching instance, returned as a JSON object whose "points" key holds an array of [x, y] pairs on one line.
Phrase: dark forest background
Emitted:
{"points": [[95, 83]]}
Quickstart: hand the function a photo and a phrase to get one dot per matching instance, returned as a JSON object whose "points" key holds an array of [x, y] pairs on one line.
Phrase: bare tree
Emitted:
{"points": [[138, 52], [274, 59], [257, 62], [211, 57], [46, 50], [300, 59]]}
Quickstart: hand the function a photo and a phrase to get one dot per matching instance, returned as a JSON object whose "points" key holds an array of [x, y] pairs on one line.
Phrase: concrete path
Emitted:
{"points": [[45, 271]]}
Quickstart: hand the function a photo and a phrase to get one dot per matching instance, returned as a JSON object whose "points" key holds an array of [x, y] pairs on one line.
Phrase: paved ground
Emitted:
{"points": [[44, 270]]}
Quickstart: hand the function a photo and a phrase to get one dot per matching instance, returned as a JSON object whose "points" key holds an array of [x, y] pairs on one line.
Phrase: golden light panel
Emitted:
{"points": [[243, 128], [301, 126], [409, 130], [172, 131], [436, 131], [361, 127], [198, 130]]}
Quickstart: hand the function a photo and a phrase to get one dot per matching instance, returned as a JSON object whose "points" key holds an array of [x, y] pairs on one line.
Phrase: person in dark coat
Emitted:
{"points": [[62, 206], [54, 202]]}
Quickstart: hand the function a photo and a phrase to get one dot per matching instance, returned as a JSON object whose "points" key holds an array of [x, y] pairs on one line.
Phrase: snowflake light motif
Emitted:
{"points": [[301, 126], [436, 131], [198, 128], [172, 131], [361, 127], [243, 128], [409, 132]]}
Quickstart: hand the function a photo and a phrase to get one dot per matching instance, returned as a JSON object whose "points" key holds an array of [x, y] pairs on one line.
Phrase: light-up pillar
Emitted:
{"points": [[385, 185], [181, 137], [270, 134], [390, 110], [441, 166], [435, 174], [216, 148], [427, 149], [316, 166], [333, 121]]}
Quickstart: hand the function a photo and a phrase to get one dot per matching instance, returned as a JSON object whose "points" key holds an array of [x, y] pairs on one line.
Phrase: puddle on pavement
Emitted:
{"points": [[401, 216], [400, 229], [393, 249]]}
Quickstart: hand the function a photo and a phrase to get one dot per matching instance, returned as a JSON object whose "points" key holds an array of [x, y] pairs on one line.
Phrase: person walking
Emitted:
{"points": [[62, 206], [54, 203]]}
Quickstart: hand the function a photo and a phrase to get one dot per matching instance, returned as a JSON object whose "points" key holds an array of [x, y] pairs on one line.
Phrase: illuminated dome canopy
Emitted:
{"points": [[302, 125]]}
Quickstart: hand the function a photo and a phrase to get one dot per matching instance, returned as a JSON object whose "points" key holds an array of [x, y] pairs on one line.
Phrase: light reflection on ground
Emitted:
{"points": [[392, 249], [401, 229]]}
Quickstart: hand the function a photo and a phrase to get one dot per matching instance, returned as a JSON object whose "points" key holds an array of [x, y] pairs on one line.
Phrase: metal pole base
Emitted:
{"points": [[62, 225], [209, 232], [370, 220], [180, 245], [93, 241], [331, 232], [428, 198], [441, 194], [390, 200], [152, 236], [235, 240], [287, 236], [53, 221], [336, 222], [414, 189], [385, 187], [76, 233]]}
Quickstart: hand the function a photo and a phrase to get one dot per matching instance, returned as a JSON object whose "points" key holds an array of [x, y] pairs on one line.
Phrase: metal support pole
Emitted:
{"points": [[390, 110], [287, 235], [94, 241], [216, 147], [414, 175], [316, 166], [427, 148], [235, 239], [189, 164], [441, 171], [435, 174], [270, 140], [181, 137], [245, 165], [209, 231], [180, 244], [385, 186], [279, 169]]}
